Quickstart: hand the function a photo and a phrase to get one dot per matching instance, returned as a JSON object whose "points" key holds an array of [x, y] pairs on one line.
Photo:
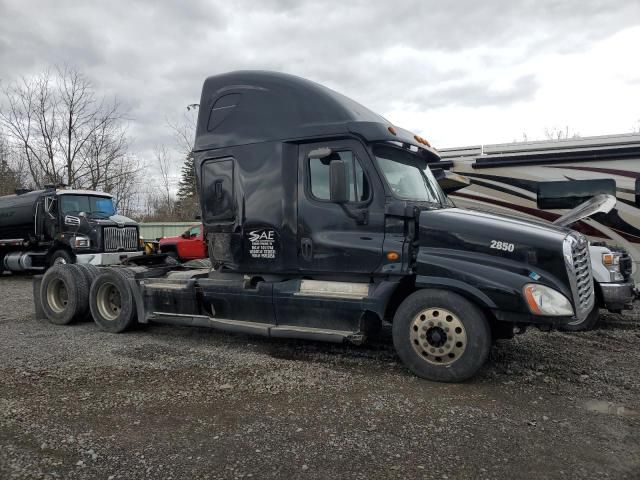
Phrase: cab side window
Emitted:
{"points": [[319, 177], [194, 232]]}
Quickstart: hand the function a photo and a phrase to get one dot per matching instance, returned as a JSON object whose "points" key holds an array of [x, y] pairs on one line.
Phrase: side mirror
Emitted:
{"points": [[185, 235], [338, 186]]}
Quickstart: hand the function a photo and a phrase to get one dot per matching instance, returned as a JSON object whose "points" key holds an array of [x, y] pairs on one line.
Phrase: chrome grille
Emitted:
{"points": [[578, 260], [115, 238]]}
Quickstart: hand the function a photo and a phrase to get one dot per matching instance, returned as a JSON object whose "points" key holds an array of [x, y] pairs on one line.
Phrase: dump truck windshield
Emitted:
{"points": [[102, 206], [408, 175]]}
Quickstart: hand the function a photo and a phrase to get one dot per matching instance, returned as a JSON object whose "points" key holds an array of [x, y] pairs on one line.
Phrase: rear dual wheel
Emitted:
{"points": [[441, 336], [111, 300], [64, 294]]}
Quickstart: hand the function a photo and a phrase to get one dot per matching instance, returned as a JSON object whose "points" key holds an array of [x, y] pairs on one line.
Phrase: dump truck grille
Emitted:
{"points": [[579, 270], [115, 238]]}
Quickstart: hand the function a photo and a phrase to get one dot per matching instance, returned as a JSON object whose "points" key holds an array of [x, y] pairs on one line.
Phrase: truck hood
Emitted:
{"points": [[602, 203], [483, 235], [115, 220]]}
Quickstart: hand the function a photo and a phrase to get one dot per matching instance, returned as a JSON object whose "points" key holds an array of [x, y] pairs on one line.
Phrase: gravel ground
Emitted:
{"points": [[171, 402]]}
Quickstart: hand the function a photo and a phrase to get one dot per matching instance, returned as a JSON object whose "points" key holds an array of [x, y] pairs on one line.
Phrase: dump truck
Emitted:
{"points": [[53, 226], [323, 221]]}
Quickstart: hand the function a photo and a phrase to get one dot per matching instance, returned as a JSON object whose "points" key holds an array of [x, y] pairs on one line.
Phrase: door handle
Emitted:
{"points": [[361, 216], [306, 248]]}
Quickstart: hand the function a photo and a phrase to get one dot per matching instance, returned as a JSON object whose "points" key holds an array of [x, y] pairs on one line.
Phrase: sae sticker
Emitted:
{"points": [[262, 243], [534, 276]]}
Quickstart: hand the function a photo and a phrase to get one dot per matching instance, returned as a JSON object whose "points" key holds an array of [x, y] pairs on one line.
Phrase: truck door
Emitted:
{"points": [[193, 246], [332, 237]]}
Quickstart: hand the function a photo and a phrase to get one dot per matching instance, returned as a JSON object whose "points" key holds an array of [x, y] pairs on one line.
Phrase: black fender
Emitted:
{"points": [[494, 283], [468, 291]]}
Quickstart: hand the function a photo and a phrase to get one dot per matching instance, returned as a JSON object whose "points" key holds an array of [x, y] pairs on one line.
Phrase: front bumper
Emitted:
{"points": [[111, 258], [618, 296]]}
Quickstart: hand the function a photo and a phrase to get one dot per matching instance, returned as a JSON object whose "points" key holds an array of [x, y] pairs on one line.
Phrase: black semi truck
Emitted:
{"points": [[42, 228], [323, 221]]}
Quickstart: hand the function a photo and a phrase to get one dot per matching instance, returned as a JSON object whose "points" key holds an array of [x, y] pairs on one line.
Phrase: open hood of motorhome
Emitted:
{"points": [[602, 203]]}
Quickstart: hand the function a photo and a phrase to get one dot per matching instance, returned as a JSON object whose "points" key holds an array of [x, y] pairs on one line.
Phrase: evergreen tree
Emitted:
{"points": [[188, 203], [187, 185], [9, 179]]}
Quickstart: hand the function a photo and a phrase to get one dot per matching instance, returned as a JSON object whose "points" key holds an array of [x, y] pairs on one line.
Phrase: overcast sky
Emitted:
{"points": [[457, 72]]}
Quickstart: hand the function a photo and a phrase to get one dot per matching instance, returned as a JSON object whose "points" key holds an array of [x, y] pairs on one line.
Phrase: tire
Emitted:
{"points": [[111, 300], [90, 273], [61, 257], [172, 257], [65, 294], [582, 326], [441, 336]]}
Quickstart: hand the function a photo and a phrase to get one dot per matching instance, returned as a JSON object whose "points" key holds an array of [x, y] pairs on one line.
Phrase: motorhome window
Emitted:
{"points": [[408, 175], [319, 176], [101, 206]]}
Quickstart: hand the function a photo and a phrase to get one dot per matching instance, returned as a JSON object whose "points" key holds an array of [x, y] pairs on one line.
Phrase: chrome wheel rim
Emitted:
{"points": [[108, 301], [57, 296], [438, 336], [60, 261]]}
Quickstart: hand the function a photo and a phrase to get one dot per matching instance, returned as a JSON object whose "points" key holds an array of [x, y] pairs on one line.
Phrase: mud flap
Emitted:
{"points": [[37, 299]]}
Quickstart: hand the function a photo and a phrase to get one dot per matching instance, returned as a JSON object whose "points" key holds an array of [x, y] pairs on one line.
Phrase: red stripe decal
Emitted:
{"points": [[610, 171]]}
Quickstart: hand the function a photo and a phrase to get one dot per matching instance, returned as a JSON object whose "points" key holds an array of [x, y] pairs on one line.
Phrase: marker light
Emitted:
{"points": [[392, 130], [611, 262], [543, 300], [393, 256], [421, 140]]}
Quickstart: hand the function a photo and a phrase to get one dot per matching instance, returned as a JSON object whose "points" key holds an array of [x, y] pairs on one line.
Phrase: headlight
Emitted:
{"points": [[546, 301], [611, 262], [81, 242]]}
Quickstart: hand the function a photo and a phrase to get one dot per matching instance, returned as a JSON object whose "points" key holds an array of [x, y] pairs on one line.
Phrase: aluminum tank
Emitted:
{"points": [[17, 215]]}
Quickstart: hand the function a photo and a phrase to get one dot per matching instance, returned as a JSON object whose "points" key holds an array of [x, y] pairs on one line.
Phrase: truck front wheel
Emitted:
{"points": [[441, 336], [61, 257]]}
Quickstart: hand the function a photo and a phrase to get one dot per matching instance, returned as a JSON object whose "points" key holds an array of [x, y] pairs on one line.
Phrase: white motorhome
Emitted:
{"points": [[536, 179]]}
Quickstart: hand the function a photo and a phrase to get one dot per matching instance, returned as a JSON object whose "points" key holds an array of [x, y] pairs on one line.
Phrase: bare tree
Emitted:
{"points": [[555, 133], [184, 130], [67, 133]]}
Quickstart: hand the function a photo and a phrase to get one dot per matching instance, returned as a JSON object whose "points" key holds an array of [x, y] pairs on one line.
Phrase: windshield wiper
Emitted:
{"points": [[100, 213]]}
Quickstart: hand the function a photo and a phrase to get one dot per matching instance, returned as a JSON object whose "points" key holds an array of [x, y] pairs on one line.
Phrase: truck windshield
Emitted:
{"points": [[87, 203], [408, 175]]}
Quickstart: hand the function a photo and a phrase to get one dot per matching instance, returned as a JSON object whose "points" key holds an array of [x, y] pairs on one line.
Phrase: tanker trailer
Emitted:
{"points": [[53, 226]]}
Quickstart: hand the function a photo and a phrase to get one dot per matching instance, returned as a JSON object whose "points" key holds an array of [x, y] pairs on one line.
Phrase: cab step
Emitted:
{"points": [[256, 328]]}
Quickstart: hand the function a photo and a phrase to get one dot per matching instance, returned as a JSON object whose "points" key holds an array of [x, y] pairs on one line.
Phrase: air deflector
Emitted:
{"points": [[222, 108]]}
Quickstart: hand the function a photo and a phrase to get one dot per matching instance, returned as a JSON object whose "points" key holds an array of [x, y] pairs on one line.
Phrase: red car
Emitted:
{"points": [[188, 246]]}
